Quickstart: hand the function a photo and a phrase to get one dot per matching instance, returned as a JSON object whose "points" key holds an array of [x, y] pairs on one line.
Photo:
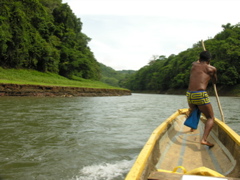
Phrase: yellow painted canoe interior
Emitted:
{"points": [[180, 147]]}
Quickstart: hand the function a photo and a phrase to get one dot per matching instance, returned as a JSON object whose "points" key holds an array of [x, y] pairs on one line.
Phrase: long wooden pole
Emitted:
{"points": [[215, 90]]}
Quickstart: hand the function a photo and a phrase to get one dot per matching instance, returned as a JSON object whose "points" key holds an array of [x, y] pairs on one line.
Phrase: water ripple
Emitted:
{"points": [[84, 137]]}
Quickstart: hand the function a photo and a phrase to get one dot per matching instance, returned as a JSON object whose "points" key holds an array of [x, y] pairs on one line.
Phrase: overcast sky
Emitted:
{"points": [[127, 33]]}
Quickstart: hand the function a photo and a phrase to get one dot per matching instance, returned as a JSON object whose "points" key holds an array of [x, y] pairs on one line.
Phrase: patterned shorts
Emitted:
{"points": [[198, 97]]}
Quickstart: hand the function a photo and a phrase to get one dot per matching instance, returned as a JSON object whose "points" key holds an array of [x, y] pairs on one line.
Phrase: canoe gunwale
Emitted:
{"points": [[231, 140], [141, 169], [234, 136], [138, 170]]}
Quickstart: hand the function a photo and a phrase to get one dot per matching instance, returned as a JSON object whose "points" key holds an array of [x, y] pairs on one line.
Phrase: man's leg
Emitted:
{"points": [[208, 112]]}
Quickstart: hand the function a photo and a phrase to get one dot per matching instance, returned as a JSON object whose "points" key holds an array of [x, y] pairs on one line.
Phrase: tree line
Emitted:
{"points": [[45, 35], [113, 77], [164, 73]]}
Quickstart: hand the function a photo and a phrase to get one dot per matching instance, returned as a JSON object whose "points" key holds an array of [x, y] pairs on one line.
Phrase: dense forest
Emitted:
{"points": [[164, 73], [113, 77], [45, 35]]}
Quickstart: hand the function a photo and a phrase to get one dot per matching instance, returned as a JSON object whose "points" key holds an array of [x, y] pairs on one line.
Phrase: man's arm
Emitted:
{"points": [[213, 74]]}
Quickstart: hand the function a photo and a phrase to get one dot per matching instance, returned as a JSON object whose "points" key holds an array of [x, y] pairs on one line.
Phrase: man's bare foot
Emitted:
{"points": [[192, 130], [203, 142]]}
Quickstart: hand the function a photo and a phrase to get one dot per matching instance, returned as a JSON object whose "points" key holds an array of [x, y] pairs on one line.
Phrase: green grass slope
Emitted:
{"points": [[23, 76]]}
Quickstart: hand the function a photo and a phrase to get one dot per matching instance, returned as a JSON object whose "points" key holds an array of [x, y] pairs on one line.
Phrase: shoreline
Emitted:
{"points": [[233, 91], [57, 91]]}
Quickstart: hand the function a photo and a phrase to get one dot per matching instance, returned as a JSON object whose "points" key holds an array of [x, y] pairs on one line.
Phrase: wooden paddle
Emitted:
{"points": [[215, 89]]}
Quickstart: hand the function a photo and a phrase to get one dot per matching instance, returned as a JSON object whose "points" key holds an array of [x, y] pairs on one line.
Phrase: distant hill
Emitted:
{"points": [[113, 77]]}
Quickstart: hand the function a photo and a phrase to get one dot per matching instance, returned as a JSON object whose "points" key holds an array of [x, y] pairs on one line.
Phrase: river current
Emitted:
{"points": [[85, 138]]}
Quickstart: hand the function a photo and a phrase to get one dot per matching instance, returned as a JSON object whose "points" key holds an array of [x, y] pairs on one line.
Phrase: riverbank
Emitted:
{"points": [[61, 91], [222, 91], [24, 82]]}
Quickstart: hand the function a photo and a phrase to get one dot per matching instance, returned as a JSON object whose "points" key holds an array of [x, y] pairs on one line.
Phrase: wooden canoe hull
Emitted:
{"points": [[172, 145]]}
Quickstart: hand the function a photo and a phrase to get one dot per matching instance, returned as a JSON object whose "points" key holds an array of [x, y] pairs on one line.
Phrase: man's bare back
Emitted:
{"points": [[200, 75]]}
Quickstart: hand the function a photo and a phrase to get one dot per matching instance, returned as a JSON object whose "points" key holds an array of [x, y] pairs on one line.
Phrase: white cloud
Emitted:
{"points": [[127, 33]]}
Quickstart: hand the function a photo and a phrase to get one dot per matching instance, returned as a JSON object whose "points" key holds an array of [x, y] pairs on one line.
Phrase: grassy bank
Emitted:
{"points": [[22, 76]]}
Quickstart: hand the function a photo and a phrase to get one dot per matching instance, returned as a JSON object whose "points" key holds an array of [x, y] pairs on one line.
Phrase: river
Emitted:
{"points": [[90, 138]]}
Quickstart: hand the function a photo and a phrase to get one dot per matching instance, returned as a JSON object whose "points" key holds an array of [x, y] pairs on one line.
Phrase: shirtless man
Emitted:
{"points": [[197, 96]]}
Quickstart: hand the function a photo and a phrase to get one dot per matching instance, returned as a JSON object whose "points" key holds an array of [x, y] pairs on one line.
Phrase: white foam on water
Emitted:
{"points": [[105, 171]]}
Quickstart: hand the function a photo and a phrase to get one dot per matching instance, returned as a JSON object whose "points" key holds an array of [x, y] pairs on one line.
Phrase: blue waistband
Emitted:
{"points": [[196, 91]]}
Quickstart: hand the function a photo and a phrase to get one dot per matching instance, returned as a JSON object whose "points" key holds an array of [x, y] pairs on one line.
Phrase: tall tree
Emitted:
{"points": [[45, 35]]}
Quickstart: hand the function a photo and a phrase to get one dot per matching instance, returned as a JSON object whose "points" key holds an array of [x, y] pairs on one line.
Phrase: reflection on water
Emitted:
{"points": [[84, 137]]}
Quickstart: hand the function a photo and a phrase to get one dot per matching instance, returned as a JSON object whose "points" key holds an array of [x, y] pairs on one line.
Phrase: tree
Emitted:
{"points": [[173, 72], [46, 36]]}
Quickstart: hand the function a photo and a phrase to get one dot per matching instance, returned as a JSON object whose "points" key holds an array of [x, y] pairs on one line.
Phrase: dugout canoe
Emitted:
{"points": [[174, 153]]}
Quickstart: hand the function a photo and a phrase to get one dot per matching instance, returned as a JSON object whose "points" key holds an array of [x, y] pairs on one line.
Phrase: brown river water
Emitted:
{"points": [[90, 138]]}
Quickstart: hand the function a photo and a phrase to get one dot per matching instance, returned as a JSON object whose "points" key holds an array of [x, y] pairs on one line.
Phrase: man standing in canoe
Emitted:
{"points": [[200, 74]]}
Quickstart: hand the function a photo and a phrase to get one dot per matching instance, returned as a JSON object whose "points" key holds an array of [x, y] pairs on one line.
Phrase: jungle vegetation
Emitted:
{"points": [[45, 35], [164, 73], [113, 77]]}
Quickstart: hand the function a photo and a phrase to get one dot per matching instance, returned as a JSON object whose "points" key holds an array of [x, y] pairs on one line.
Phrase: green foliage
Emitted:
{"points": [[112, 77], [23, 76], [45, 35], [173, 72]]}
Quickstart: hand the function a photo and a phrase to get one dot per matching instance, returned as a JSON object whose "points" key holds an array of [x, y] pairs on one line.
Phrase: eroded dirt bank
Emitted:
{"points": [[36, 90]]}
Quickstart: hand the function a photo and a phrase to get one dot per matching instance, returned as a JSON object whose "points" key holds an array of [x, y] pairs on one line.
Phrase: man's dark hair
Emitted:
{"points": [[205, 56]]}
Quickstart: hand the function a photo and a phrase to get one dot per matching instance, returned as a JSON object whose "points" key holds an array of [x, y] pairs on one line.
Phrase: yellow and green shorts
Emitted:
{"points": [[198, 97]]}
